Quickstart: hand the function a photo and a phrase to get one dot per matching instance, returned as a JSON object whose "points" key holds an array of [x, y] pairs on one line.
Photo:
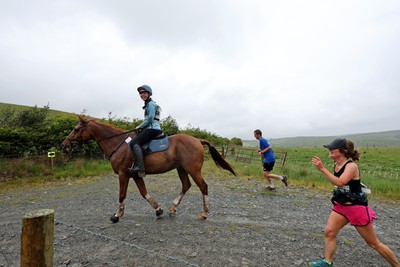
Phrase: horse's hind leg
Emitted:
{"points": [[184, 176], [143, 191], [198, 179]]}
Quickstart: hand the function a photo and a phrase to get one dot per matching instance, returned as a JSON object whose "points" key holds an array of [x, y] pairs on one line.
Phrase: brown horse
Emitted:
{"points": [[185, 153]]}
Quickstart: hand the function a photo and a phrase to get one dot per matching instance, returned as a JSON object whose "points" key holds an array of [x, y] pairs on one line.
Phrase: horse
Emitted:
{"points": [[185, 154]]}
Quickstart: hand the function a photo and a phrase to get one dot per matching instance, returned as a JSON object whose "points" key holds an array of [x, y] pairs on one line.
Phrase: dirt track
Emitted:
{"points": [[247, 225]]}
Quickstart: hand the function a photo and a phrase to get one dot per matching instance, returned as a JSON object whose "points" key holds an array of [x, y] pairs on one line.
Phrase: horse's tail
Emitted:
{"points": [[217, 157]]}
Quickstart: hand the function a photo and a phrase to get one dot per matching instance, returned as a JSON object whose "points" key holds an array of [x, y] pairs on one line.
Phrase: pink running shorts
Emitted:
{"points": [[357, 215]]}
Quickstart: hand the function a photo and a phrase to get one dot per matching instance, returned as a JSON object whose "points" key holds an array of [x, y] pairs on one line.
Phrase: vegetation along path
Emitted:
{"points": [[247, 225]]}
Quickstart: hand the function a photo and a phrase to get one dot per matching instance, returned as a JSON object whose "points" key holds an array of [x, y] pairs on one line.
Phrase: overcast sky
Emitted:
{"points": [[290, 68]]}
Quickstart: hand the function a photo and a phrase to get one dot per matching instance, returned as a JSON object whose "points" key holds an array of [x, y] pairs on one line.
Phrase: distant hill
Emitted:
{"points": [[52, 112], [378, 139]]}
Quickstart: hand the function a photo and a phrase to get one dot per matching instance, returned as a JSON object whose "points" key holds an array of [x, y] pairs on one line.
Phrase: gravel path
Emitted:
{"points": [[247, 225]]}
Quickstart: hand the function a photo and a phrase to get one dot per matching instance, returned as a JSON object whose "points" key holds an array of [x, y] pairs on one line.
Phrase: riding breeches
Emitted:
{"points": [[143, 137]]}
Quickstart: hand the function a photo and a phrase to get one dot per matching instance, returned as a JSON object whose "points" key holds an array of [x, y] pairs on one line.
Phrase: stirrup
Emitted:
{"points": [[141, 173], [136, 169]]}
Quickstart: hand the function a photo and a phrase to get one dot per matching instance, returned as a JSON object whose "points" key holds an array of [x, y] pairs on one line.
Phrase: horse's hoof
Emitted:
{"points": [[159, 212], [172, 213], [203, 215], [114, 219]]}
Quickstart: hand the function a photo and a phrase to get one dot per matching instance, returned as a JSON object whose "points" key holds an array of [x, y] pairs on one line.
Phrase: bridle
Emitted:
{"points": [[79, 141]]}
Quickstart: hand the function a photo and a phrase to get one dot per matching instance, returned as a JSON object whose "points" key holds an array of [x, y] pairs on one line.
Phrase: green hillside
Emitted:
{"points": [[52, 113], [378, 139]]}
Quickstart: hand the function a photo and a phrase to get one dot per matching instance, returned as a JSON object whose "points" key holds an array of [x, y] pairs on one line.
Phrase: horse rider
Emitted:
{"points": [[147, 130]]}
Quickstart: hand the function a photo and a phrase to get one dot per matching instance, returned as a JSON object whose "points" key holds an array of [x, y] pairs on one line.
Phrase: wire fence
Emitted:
{"points": [[128, 246], [67, 253], [250, 156], [376, 170]]}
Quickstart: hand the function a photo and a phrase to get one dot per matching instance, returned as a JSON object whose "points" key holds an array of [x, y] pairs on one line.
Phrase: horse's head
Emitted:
{"points": [[79, 135]]}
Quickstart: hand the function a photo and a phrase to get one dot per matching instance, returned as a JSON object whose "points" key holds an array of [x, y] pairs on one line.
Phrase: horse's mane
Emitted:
{"points": [[84, 119], [112, 127]]}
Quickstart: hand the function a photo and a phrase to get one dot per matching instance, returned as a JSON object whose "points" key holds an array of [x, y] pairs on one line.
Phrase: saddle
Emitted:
{"points": [[158, 144]]}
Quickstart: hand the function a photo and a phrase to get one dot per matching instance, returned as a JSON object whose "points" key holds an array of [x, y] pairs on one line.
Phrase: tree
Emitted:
{"points": [[169, 126], [236, 141], [33, 131], [203, 134], [33, 118], [7, 117], [122, 123], [26, 132]]}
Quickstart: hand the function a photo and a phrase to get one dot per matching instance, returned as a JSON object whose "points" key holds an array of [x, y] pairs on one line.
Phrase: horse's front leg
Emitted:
{"points": [[123, 188], [143, 191]]}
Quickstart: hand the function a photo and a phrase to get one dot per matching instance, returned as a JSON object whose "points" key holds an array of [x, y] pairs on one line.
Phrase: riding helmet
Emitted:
{"points": [[145, 88]]}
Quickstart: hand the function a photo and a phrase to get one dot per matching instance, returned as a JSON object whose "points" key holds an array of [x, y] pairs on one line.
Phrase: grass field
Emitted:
{"points": [[380, 169]]}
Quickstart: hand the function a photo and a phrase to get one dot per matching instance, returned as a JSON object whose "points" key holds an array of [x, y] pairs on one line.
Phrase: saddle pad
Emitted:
{"points": [[157, 145]]}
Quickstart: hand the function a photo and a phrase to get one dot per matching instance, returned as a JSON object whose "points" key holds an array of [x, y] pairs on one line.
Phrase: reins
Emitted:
{"points": [[115, 135], [79, 139], [120, 144]]}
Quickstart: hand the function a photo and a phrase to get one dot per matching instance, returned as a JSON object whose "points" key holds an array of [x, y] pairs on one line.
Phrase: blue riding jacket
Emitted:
{"points": [[151, 116]]}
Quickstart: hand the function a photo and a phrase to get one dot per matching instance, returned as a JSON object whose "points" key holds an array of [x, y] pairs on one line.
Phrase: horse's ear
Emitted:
{"points": [[83, 119]]}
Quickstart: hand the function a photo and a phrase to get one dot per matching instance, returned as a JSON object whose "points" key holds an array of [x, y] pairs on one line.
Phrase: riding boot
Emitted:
{"points": [[139, 165]]}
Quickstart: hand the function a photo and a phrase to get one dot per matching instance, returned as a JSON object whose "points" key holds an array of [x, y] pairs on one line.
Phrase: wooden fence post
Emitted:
{"points": [[37, 238]]}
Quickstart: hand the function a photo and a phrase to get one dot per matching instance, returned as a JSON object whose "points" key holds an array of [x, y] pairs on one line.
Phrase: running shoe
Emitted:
{"points": [[270, 188], [284, 180], [320, 263]]}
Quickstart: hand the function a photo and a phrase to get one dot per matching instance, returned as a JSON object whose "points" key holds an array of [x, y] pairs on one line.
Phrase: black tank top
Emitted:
{"points": [[355, 185]]}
